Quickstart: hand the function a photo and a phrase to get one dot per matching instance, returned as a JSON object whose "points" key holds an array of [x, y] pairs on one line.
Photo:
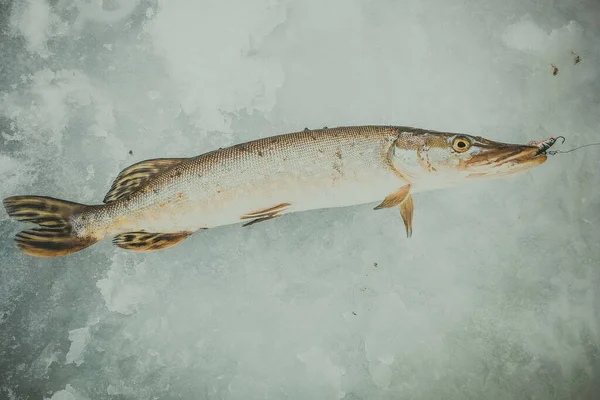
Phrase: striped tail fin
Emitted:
{"points": [[54, 237]]}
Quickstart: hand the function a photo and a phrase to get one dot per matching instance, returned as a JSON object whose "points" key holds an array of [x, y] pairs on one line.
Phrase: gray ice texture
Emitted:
{"points": [[496, 295]]}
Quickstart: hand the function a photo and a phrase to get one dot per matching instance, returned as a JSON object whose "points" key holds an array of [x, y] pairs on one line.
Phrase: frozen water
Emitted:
{"points": [[495, 296]]}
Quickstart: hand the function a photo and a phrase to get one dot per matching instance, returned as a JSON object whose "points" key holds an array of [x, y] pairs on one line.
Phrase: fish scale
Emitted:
{"points": [[309, 169]]}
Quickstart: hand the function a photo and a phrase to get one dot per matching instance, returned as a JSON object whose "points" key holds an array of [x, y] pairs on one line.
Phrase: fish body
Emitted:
{"points": [[157, 203], [304, 170]]}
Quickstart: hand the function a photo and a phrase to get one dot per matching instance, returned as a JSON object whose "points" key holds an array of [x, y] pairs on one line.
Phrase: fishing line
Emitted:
{"points": [[553, 152]]}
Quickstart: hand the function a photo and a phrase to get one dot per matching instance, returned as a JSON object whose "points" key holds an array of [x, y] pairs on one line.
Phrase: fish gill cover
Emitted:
{"points": [[495, 297]]}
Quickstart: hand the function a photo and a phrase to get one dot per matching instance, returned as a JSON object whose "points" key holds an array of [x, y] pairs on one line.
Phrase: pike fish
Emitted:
{"points": [[157, 203]]}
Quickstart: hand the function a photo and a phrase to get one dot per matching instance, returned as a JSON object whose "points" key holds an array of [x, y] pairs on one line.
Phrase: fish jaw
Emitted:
{"points": [[432, 160], [511, 160]]}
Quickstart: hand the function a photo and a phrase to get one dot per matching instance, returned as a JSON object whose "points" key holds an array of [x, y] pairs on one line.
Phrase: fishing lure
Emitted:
{"points": [[545, 144]]}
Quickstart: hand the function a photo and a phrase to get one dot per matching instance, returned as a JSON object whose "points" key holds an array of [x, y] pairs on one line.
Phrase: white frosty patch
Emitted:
{"points": [[556, 46], [121, 291], [97, 10], [245, 80], [68, 393], [79, 339], [526, 35], [35, 21], [322, 371], [54, 97]]}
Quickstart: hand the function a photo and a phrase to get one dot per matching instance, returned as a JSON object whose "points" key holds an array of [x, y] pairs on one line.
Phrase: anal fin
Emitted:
{"points": [[147, 241]]}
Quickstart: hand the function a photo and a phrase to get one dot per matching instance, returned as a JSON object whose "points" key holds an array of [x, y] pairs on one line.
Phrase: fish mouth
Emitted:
{"points": [[501, 159], [521, 155], [503, 152]]}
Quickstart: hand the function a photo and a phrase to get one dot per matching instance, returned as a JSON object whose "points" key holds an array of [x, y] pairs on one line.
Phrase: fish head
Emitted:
{"points": [[430, 160]]}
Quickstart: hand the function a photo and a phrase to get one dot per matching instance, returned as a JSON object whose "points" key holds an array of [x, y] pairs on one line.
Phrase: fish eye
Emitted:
{"points": [[461, 144]]}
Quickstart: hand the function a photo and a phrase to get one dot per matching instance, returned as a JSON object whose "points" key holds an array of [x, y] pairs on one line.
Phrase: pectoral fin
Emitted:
{"points": [[395, 198], [265, 214], [257, 220], [406, 211]]}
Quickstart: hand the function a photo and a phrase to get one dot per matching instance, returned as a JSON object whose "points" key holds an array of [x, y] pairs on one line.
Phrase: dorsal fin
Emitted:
{"points": [[134, 176]]}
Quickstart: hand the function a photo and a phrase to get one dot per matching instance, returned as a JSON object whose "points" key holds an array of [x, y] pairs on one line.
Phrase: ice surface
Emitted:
{"points": [[495, 295]]}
